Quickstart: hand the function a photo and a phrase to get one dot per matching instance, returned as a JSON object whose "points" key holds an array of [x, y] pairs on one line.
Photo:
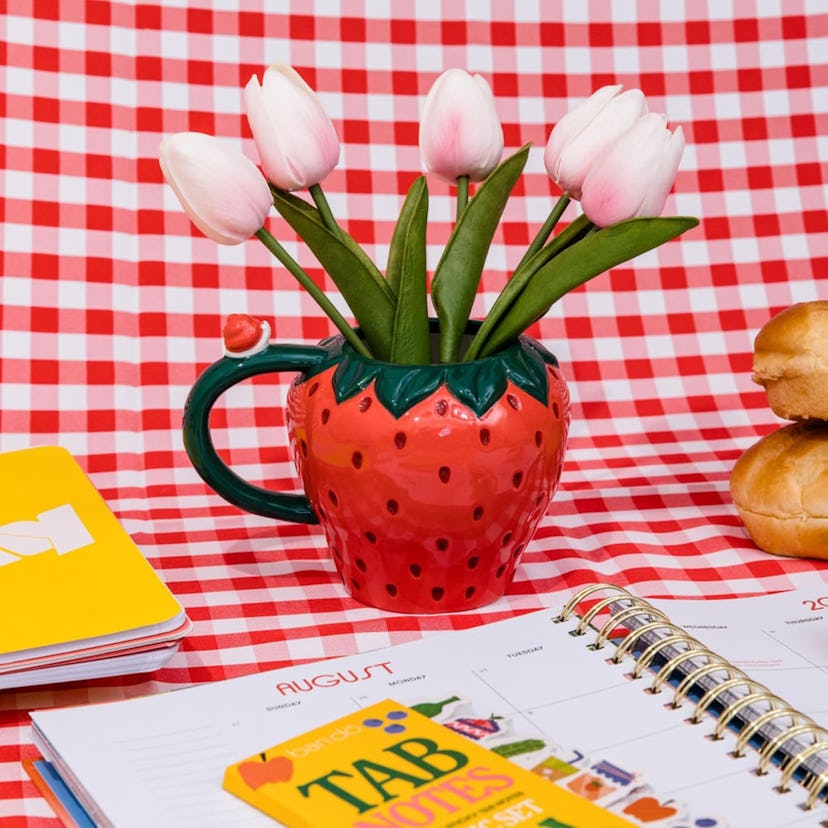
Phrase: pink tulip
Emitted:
{"points": [[297, 142], [222, 191], [634, 176], [586, 131], [460, 133]]}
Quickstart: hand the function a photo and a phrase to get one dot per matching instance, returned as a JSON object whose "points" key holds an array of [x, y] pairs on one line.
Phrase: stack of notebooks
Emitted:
{"points": [[79, 599]]}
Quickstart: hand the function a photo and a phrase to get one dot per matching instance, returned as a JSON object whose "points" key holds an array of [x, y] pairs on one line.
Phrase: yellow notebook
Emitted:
{"points": [[72, 581], [388, 766]]}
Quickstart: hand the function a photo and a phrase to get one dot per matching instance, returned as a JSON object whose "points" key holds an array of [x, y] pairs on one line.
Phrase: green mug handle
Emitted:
{"points": [[215, 380]]}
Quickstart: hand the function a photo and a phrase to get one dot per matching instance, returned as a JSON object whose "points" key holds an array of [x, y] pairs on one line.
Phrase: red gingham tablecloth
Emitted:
{"points": [[111, 302]]}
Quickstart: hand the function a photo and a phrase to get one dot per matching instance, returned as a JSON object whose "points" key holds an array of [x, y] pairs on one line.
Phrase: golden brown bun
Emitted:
{"points": [[790, 359], [780, 488]]}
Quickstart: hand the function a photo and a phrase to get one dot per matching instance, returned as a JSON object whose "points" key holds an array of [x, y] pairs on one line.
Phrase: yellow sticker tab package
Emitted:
{"points": [[387, 766]]}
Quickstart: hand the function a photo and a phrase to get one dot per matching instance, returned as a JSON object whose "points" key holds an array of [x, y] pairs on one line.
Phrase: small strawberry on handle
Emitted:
{"points": [[245, 335]]}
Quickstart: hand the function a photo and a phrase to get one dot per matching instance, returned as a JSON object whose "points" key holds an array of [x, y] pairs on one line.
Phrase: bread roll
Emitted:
{"points": [[780, 488], [790, 360]]}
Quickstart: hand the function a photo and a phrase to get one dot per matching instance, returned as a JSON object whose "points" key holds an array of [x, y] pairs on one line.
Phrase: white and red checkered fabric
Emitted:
{"points": [[111, 302]]}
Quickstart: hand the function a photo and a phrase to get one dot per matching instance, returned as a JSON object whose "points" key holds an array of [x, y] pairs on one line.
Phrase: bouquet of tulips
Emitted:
{"points": [[609, 153]]}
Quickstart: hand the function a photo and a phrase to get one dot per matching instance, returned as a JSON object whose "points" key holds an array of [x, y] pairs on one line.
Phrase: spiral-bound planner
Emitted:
{"points": [[676, 714]]}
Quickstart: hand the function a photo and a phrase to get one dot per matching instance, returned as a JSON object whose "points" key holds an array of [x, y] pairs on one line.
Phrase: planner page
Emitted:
{"points": [[780, 640], [525, 686]]}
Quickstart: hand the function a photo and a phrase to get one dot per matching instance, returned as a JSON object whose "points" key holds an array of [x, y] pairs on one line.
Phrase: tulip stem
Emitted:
{"points": [[548, 226], [462, 194], [310, 286], [325, 212]]}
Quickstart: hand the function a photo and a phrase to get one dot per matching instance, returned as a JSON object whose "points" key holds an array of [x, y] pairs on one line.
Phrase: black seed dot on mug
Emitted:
{"points": [[365, 404], [477, 514], [556, 411], [326, 415], [399, 440], [517, 479], [538, 438], [472, 562], [360, 565], [333, 498], [445, 474], [355, 584], [500, 570], [485, 436], [513, 401], [469, 592], [356, 459], [391, 590], [416, 570], [442, 544], [370, 537], [303, 447], [539, 499], [506, 538], [518, 550], [392, 506], [437, 593], [441, 408], [313, 389]]}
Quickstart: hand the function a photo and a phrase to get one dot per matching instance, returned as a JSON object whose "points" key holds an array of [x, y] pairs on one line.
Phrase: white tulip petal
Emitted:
{"points": [[297, 141], [632, 178], [222, 191], [572, 124], [665, 175], [603, 131], [460, 133]]}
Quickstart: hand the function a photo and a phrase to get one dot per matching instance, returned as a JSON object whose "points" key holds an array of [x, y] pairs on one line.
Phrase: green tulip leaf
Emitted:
{"points": [[365, 291], [349, 241], [458, 272], [521, 277], [410, 342], [592, 255]]}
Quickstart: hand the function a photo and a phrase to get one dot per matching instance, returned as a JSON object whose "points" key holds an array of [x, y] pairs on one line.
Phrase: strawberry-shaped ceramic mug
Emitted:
{"points": [[428, 480]]}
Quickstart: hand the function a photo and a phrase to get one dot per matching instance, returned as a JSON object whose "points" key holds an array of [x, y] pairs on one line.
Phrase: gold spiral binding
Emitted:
{"points": [[596, 609], [639, 608], [643, 661], [815, 787], [714, 692], [772, 745], [799, 724], [790, 767], [694, 650], [629, 642], [580, 596], [713, 666], [734, 708], [750, 729]]}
